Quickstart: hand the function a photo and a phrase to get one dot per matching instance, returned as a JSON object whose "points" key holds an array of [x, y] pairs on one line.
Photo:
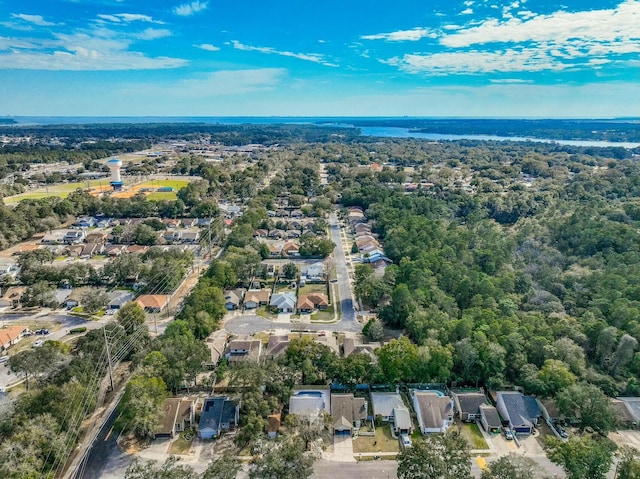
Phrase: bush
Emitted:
{"points": [[79, 330]]}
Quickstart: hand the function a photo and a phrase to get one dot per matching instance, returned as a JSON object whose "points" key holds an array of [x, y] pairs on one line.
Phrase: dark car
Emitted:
{"points": [[42, 332], [562, 432]]}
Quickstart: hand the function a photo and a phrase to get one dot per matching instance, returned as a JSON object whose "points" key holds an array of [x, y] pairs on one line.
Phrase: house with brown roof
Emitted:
{"points": [[171, 223], [348, 413], [244, 350], [11, 297], [11, 335], [97, 237], [137, 249], [260, 233], [255, 298], [308, 303], [177, 415], [153, 303], [434, 411], [91, 249], [114, 250], [233, 298], [277, 345], [468, 405], [216, 344], [291, 249]]}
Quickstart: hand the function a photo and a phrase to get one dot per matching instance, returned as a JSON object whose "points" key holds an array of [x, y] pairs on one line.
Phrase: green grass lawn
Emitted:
{"points": [[472, 433], [162, 196], [313, 288], [180, 445], [323, 316], [383, 441]]}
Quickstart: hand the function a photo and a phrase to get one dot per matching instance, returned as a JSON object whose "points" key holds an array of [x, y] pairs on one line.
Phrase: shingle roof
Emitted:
{"points": [[155, 301], [345, 409], [470, 402], [283, 301], [490, 414], [383, 403], [10, 334], [433, 409]]}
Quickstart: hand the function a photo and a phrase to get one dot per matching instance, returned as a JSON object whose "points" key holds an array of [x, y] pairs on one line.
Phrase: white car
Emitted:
{"points": [[4, 359], [406, 441], [38, 343]]}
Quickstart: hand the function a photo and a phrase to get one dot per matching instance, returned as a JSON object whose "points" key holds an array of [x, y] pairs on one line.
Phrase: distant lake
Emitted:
{"points": [[395, 132]]}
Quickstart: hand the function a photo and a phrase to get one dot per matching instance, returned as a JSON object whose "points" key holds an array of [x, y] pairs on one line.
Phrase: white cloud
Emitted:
{"points": [[614, 26], [510, 80], [188, 9], [100, 49], [477, 62], [233, 82], [127, 18], [34, 19], [310, 57], [153, 34], [208, 47], [467, 11], [412, 35]]}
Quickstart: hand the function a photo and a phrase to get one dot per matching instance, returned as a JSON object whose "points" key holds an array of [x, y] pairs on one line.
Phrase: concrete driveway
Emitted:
{"points": [[342, 450]]}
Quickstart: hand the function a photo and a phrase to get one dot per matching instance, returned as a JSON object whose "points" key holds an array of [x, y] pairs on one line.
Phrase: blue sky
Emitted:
{"points": [[533, 58]]}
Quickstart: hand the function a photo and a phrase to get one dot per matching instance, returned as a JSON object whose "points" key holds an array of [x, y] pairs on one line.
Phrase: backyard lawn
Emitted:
{"points": [[474, 436], [181, 445], [383, 441], [313, 288]]}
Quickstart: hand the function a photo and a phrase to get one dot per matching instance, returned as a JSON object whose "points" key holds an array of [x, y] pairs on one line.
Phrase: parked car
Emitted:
{"points": [[38, 343], [42, 332], [405, 440], [508, 435], [561, 431], [4, 359]]}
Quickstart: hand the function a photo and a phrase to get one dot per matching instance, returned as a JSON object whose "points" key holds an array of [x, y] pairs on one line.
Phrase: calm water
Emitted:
{"points": [[388, 132]]}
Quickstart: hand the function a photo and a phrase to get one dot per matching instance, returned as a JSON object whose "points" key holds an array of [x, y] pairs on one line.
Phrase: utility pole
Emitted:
{"points": [[210, 237], [106, 342]]}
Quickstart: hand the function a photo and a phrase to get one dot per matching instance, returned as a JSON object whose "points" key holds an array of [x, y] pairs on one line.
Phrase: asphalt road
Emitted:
{"points": [[351, 470], [344, 285]]}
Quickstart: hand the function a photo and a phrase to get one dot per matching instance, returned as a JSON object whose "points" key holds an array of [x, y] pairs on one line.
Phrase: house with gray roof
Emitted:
{"points": [[283, 302], [520, 411], [489, 418], [434, 411], [632, 405], [310, 404], [219, 414], [233, 298], [468, 405], [348, 413]]}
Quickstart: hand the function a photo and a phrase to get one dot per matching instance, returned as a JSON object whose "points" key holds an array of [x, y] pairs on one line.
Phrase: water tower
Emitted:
{"points": [[115, 165]]}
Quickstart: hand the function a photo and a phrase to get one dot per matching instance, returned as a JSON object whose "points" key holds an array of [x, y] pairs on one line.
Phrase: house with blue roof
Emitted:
{"points": [[520, 411], [219, 414]]}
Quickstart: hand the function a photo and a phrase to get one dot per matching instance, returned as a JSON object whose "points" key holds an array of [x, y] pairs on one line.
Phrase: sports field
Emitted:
{"points": [[102, 185]]}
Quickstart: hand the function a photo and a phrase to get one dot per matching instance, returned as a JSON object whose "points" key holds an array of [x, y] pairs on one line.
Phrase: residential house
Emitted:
{"points": [[391, 408], [85, 222], [313, 273], [11, 335], [104, 222], [260, 233], [434, 411], [362, 228], [283, 302], [219, 414], [277, 345], [308, 303], [271, 270], [136, 249], [468, 405], [91, 249], [348, 413], [244, 350], [9, 270], [275, 234], [204, 222], [97, 237], [190, 237], [117, 299], [60, 296], [355, 346], [520, 411], [233, 298], [291, 249], [255, 298], [273, 425], [73, 300], [114, 250], [296, 214], [171, 223], [489, 418], [274, 250], [293, 234], [282, 213], [310, 404], [74, 237], [549, 409], [177, 415], [153, 303], [189, 222], [11, 297], [172, 235]]}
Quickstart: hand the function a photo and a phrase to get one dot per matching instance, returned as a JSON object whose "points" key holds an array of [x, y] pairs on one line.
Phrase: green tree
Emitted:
{"points": [[131, 317], [141, 405], [290, 271], [93, 301], [512, 466], [170, 469], [439, 456], [373, 330], [282, 459], [225, 467], [35, 362], [588, 405], [629, 463], [555, 375], [398, 360], [582, 457]]}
